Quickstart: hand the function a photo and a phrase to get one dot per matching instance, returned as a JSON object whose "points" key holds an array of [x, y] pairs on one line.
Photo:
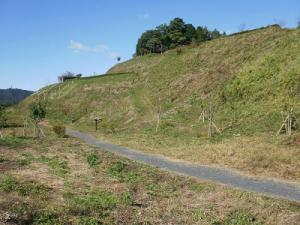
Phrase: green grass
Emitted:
{"points": [[92, 160], [58, 167], [240, 218], [117, 190], [100, 203], [9, 184]]}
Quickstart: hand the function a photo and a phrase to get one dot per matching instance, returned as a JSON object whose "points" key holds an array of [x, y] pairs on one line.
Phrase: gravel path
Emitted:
{"points": [[217, 175]]}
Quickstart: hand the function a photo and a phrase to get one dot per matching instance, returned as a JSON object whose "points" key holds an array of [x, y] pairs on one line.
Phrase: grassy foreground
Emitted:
{"points": [[64, 181]]}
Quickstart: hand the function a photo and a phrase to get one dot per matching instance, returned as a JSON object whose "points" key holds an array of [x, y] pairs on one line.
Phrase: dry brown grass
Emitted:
{"points": [[264, 155], [157, 197]]}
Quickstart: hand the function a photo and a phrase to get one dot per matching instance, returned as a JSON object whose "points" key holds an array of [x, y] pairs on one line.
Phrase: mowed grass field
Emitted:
{"points": [[64, 181], [153, 103]]}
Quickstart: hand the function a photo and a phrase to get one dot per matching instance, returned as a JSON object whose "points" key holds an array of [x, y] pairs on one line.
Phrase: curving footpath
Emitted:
{"points": [[223, 176]]}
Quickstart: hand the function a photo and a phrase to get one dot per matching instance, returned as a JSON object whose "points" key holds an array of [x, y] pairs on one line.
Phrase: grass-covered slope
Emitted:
{"points": [[247, 78]]}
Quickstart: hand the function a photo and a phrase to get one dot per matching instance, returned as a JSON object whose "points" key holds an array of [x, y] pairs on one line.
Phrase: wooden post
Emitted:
{"points": [[96, 124], [210, 120], [158, 116], [97, 120]]}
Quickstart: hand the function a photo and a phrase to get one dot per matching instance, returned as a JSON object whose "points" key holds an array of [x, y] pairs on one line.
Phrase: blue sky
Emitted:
{"points": [[41, 39]]}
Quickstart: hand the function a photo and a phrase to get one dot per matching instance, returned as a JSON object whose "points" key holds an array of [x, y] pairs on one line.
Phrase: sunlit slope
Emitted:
{"points": [[247, 78]]}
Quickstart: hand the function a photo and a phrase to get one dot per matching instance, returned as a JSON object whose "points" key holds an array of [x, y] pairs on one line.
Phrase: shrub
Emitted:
{"points": [[60, 130], [178, 50]]}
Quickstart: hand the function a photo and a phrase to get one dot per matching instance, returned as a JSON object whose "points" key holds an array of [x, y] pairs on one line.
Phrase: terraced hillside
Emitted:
{"points": [[153, 103]]}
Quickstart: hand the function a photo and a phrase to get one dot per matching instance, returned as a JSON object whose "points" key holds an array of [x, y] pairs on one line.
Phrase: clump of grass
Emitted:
{"points": [[92, 160], [153, 189], [27, 159], [201, 187], [45, 218], [10, 184], [117, 169], [240, 218], [59, 130], [13, 142], [2, 159], [197, 214], [127, 198], [89, 221], [100, 203], [58, 167]]}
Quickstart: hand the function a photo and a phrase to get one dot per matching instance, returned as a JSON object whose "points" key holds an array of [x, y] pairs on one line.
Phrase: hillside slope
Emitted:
{"points": [[153, 103]]}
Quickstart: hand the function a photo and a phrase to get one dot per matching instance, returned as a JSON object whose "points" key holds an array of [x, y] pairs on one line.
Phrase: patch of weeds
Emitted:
{"points": [[45, 218], [92, 203], [92, 160], [117, 170], [2, 159], [200, 187], [89, 221], [12, 142], [10, 184], [58, 167], [134, 177], [59, 130], [27, 159], [197, 214], [240, 218], [153, 189], [127, 198]]}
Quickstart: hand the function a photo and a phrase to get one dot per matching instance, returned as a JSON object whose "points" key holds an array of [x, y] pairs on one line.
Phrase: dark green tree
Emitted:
{"points": [[176, 33], [215, 34], [190, 33], [202, 34], [164, 37]]}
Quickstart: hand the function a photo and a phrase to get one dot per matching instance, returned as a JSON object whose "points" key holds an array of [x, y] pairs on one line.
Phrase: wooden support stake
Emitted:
{"points": [[158, 116], [210, 121], [217, 129], [284, 124]]}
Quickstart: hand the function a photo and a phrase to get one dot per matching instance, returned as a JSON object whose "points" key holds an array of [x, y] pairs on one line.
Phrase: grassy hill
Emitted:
{"points": [[153, 103]]}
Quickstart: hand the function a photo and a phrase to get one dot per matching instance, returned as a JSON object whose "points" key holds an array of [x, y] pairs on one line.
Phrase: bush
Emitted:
{"points": [[60, 130]]}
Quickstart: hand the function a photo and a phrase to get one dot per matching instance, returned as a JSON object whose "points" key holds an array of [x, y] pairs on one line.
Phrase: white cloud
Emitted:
{"points": [[144, 16], [77, 46], [99, 48]]}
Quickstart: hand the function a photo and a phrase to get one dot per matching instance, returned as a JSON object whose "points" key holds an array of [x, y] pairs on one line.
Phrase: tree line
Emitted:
{"points": [[176, 33]]}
